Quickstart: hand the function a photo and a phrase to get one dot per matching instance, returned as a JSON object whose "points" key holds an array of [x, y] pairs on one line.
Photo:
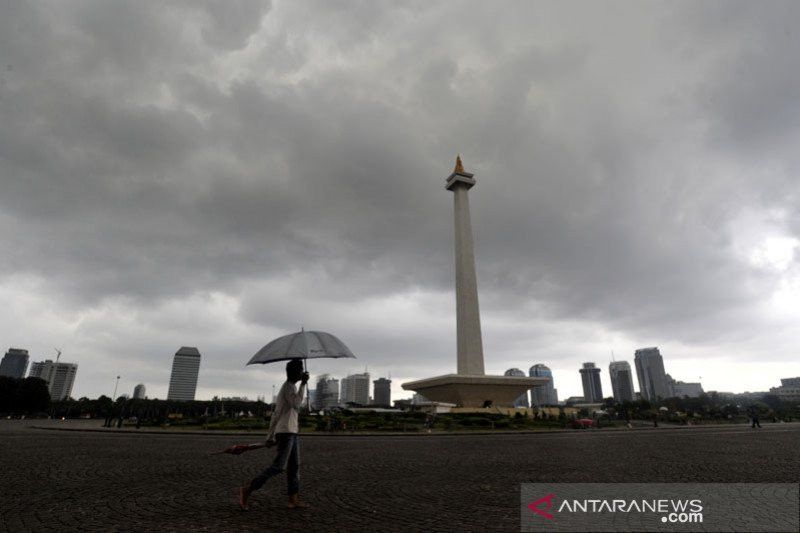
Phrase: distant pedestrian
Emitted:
{"points": [[754, 418], [283, 431]]}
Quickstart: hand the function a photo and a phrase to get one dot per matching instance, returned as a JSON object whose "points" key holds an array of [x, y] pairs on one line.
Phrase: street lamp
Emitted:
{"points": [[114, 396]]}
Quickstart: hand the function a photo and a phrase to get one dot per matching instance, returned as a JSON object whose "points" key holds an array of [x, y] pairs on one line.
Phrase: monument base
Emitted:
{"points": [[474, 391]]}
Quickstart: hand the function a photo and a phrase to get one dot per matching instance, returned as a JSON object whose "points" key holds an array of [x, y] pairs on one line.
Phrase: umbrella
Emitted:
{"points": [[238, 449], [302, 345]]}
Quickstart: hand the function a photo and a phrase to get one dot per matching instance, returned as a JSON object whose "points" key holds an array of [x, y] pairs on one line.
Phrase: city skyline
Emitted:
{"points": [[220, 178], [683, 385]]}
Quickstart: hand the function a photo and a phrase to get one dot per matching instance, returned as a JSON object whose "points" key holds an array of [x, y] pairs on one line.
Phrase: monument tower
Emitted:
{"points": [[468, 318], [470, 386]]}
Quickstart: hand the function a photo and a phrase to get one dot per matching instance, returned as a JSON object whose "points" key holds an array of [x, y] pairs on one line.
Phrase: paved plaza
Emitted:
{"points": [[64, 480]]}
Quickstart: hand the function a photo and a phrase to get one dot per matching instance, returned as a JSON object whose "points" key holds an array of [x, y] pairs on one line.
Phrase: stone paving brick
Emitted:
{"points": [[54, 480]]}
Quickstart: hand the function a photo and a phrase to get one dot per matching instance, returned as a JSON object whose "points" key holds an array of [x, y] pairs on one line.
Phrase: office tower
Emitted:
{"points": [[383, 392], [37, 369], [312, 398], [185, 369], [15, 363], [343, 383], [653, 382], [543, 394], [592, 390], [59, 377], [621, 381], [139, 392], [327, 395], [355, 389], [522, 400]]}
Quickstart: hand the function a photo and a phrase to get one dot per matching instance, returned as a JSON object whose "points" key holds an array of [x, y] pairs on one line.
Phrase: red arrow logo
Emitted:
{"points": [[548, 504]]}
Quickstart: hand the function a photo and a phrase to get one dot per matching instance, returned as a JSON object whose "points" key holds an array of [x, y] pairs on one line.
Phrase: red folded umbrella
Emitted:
{"points": [[238, 449]]}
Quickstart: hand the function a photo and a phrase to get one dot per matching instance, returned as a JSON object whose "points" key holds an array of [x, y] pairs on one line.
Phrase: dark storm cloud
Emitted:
{"points": [[289, 158]]}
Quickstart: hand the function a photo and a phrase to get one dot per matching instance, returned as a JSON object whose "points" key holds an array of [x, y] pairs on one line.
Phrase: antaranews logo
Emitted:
{"points": [[547, 501], [660, 507], [673, 511]]}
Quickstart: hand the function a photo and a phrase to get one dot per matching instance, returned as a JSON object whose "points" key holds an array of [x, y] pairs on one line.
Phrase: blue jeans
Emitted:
{"points": [[287, 458]]}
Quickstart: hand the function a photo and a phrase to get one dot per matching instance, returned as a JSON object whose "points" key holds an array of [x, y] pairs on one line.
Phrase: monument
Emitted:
{"points": [[469, 386]]}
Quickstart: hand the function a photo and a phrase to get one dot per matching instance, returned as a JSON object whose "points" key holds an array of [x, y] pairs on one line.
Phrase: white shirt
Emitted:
{"points": [[287, 404]]}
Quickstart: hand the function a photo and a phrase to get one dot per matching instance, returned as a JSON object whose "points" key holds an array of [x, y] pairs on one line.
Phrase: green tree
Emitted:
{"points": [[8, 394], [32, 396]]}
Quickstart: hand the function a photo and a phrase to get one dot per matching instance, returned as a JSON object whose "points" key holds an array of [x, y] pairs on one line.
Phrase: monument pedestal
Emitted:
{"points": [[473, 391]]}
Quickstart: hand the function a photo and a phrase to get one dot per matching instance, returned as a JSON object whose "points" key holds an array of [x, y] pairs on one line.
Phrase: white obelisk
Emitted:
{"points": [[469, 387], [468, 318]]}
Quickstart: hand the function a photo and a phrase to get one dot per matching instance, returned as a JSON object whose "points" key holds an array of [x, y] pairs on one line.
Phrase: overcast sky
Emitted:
{"points": [[174, 173]]}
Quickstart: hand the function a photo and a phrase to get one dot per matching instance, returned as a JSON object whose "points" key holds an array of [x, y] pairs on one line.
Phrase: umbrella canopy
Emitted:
{"points": [[302, 345]]}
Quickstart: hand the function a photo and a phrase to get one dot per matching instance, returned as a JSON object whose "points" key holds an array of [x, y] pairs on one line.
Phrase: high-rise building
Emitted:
{"points": [[60, 377], [543, 394], [139, 392], [312, 398], [653, 382], [15, 363], [621, 381], [522, 400], [355, 389], [327, 395], [343, 383], [37, 370], [185, 369], [383, 392], [592, 389]]}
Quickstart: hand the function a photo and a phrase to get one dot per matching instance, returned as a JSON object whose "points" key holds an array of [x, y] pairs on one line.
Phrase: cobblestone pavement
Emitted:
{"points": [[58, 480]]}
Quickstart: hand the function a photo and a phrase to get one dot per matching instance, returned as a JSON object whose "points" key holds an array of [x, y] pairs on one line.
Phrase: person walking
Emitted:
{"points": [[754, 418], [283, 431]]}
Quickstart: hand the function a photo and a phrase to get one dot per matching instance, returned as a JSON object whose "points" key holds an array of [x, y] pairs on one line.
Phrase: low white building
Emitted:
{"points": [[789, 391], [682, 389]]}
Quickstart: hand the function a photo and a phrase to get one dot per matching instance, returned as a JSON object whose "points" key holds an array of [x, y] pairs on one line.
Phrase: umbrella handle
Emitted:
{"points": [[308, 394], [305, 369]]}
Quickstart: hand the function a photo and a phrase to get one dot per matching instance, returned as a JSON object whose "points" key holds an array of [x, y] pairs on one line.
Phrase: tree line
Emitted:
{"points": [[153, 411], [26, 396]]}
